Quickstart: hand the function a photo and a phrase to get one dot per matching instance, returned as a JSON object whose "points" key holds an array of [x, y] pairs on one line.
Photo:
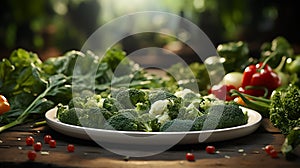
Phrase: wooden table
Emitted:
{"points": [[242, 152]]}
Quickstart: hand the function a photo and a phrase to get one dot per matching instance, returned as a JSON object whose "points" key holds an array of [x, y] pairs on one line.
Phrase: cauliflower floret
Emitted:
{"points": [[163, 118], [183, 92], [159, 107]]}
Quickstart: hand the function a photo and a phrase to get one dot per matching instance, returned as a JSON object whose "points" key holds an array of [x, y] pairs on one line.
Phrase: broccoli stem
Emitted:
{"points": [[262, 105]]}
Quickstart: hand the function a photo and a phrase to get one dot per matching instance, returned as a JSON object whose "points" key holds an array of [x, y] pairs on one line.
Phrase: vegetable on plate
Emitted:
{"points": [[151, 111]]}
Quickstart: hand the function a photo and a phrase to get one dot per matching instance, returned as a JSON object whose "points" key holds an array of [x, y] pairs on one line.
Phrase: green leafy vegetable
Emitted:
{"points": [[235, 55], [55, 82]]}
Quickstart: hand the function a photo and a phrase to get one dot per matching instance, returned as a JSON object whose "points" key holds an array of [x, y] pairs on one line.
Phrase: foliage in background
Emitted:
{"points": [[66, 24]]}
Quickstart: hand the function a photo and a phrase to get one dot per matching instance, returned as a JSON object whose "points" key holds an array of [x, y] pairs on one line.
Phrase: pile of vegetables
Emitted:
{"points": [[32, 87], [268, 83], [132, 99], [151, 110]]}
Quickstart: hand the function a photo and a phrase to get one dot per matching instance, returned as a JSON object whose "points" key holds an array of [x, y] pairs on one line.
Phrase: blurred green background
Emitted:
{"points": [[52, 27]]}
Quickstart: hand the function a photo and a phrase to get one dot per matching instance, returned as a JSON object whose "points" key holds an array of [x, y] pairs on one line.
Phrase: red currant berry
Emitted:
{"points": [[37, 146], [31, 155], [47, 138], [210, 149], [52, 143], [190, 157], [70, 148], [29, 140]]}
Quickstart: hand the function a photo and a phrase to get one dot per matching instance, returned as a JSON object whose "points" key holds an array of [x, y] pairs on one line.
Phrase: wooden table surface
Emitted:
{"points": [[241, 152]]}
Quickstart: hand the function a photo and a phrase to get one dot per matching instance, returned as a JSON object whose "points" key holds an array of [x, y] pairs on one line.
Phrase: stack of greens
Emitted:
{"points": [[32, 87]]}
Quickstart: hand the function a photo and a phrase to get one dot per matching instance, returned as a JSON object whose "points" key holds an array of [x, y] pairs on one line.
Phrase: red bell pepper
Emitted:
{"points": [[259, 80], [222, 92]]}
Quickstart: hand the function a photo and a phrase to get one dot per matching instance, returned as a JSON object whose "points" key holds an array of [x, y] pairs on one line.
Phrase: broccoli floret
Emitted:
{"points": [[156, 95], [189, 113], [93, 101], [208, 101], [94, 117], [133, 112], [198, 123], [174, 106], [176, 125], [142, 107], [191, 98], [76, 102], [69, 116], [224, 116], [148, 123], [284, 108], [111, 104], [128, 98], [124, 121]]}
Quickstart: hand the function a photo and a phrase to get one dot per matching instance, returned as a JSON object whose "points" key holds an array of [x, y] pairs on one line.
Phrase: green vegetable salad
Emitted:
{"points": [[131, 109]]}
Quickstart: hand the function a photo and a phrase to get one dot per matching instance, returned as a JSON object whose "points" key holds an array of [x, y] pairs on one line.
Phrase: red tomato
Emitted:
{"points": [[210, 149], [37, 146], [31, 155], [4, 105], [190, 157], [70, 148], [47, 138], [29, 140], [268, 148], [52, 143]]}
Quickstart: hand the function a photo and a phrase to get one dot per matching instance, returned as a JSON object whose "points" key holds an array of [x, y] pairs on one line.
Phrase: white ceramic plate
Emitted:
{"points": [[155, 138]]}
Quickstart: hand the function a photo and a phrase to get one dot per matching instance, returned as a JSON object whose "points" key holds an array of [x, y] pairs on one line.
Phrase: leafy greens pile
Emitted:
{"points": [[33, 87]]}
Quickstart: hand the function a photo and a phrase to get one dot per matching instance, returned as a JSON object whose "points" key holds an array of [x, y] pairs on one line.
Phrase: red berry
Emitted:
{"points": [[47, 138], [37, 146], [52, 143], [70, 148], [29, 140], [273, 153], [268, 148], [190, 157], [210, 149], [31, 155]]}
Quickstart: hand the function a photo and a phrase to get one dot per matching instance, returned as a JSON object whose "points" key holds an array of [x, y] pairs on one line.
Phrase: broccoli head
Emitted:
{"points": [[174, 106], [76, 102], [69, 116], [148, 123], [198, 123], [190, 98], [176, 125], [128, 98], [284, 108], [94, 117], [111, 104], [189, 113], [124, 121], [224, 116], [156, 95]]}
